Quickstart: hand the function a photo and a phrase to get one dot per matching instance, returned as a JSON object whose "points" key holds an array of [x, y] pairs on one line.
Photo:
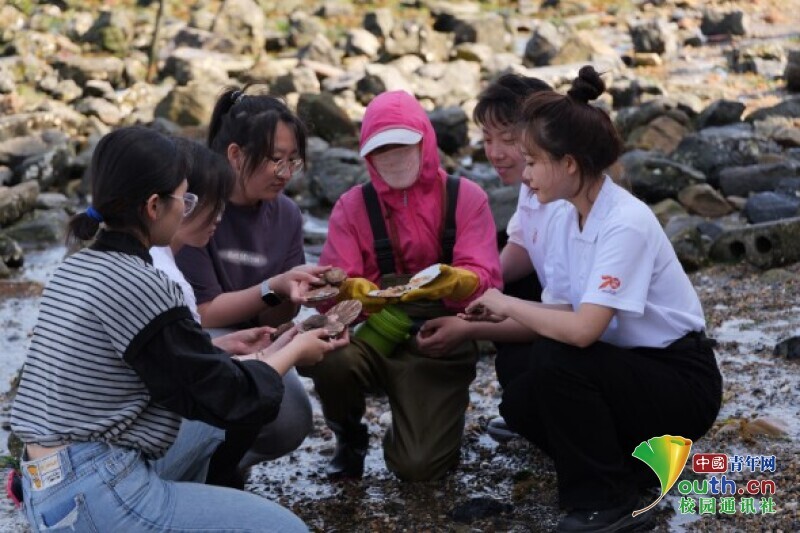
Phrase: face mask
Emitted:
{"points": [[398, 167]]}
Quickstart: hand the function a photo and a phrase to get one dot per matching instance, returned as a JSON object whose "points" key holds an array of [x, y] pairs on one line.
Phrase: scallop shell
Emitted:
{"points": [[334, 328], [345, 312], [335, 276], [313, 322], [280, 330], [323, 293]]}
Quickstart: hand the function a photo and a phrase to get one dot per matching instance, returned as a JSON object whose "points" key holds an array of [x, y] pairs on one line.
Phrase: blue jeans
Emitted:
{"points": [[97, 487]]}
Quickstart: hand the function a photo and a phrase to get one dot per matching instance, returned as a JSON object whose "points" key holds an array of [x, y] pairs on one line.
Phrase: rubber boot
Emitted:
{"points": [[352, 442]]}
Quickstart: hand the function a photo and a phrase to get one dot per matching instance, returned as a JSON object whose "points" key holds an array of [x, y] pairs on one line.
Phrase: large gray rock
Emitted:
{"points": [[792, 72], [720, 113], [362, 42], [320, 48], [544, 44], [447, 84], [188, 105], [379, 22], [98, 107], [112, 31], [713, 149], [300, 80], [688, 242], [585, 46], [741, 181], [489, 29], [81, 69], [789, 108], [765, 59], [503, 203], [16, 201], [654, 178], [49, 115], [667, 209], [717, 22], [190, 37], [769, 206], [325, 119], [11, 254], [655, 36], [242, 21], [194, 64], [334, 172], [44, 157], [704, 200], [662, 134], [42, 227], [450, 125], [303, 28]]}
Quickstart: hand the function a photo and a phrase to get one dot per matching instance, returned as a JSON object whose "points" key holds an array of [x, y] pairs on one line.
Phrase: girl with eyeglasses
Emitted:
{"points": [[210, 181], [251, 272], [116, 361]]}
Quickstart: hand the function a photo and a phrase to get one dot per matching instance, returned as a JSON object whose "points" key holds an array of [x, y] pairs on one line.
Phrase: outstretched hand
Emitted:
{"points": [[490, 307], [245, 341], [313, 345], [293, 284]]}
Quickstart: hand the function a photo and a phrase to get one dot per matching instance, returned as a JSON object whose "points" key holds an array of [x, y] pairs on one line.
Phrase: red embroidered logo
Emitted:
{"points": [[609, 282]]}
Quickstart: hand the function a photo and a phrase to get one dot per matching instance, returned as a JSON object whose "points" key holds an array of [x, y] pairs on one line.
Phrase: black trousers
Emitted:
{"points": [[588, 408], [508, 361]]}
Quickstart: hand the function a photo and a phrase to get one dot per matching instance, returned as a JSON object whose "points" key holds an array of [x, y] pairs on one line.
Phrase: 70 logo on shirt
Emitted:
{"points": [[609, 283]]}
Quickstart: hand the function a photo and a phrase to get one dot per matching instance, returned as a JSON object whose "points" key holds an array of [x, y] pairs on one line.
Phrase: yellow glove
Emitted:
{"points": [[452, 283], [357, 289]]}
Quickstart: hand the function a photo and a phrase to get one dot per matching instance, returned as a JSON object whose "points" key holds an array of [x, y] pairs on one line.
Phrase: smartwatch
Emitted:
{"points": [[268, 296]]}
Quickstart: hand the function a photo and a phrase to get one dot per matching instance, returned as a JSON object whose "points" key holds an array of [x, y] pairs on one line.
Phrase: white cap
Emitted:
{"points": [[391, 136]]}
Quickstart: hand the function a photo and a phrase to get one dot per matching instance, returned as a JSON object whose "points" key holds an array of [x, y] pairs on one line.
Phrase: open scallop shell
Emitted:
{"points": [[323, 293], [334, 276], [345, 312], [425, 276], [280, 330], [392, 292], [334, 328], [313, 322]]}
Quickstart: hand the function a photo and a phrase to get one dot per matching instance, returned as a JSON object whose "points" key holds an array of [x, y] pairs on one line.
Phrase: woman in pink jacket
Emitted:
{"points": [[416, 217]]}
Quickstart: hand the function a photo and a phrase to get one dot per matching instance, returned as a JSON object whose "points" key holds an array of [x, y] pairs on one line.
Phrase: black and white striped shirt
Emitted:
{"points": [[76, 385]]}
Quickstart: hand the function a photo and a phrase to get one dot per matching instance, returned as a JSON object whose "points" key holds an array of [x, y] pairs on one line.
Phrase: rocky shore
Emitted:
{"points": [[705, 94]]}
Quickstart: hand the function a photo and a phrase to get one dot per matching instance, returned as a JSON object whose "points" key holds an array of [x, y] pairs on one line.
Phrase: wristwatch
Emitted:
{"points": [[268, 296]]}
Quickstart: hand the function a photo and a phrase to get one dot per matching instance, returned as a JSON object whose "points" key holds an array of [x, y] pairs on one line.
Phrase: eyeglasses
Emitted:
{"points": [[189, 202], [284, 165]]}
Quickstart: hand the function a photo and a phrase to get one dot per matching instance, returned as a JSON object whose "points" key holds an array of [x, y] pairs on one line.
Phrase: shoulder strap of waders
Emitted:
{"points": [[449, 232], [381, 241]]}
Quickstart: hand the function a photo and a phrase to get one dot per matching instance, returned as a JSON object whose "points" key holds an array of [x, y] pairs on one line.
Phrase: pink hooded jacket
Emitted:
{"points": [[416, 211]]}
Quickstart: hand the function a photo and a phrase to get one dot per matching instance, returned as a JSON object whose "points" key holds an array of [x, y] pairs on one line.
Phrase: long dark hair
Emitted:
{"points": [[568, 125], [211, 178], [250, 121], [499, 103], [128, 166]]}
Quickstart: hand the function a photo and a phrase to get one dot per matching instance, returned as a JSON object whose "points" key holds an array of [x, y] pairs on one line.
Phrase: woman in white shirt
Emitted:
{"points": [[622, 356]]}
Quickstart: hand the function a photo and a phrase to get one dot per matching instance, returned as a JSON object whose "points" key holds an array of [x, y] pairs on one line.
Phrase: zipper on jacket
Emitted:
{"points": [[405, 198]]}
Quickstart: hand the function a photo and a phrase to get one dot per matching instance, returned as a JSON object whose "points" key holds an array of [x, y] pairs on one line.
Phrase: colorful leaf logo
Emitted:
{"points": [[666, 456]]}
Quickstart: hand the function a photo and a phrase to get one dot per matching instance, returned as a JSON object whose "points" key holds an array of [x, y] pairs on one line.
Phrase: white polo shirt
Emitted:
{"points": [[622, 259], [165, 262], [529, 225]]}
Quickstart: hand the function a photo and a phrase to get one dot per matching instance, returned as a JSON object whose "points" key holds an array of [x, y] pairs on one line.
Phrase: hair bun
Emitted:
{"points": [[587, 86]]}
